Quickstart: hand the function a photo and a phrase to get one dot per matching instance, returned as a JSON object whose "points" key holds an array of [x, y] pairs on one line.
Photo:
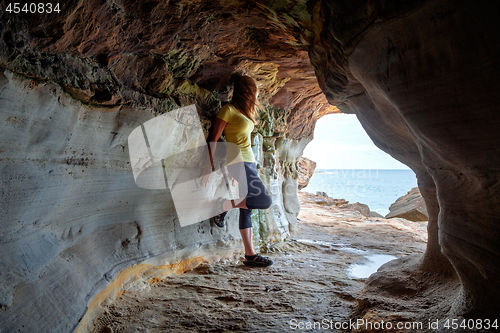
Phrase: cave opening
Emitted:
{"points": [[349, 166], [81, 242]]}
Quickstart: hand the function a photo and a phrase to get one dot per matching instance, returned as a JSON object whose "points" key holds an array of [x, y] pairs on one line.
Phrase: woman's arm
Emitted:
{"points": [[214, 135]]}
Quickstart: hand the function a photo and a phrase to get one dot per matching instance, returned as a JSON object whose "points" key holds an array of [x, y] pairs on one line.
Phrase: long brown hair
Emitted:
{"points": [[245, 95]]}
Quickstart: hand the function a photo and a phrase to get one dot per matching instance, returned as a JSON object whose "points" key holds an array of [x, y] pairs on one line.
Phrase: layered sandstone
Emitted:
{"points": [[75, 84], [421, 77], [306, 170], [411, 206]]}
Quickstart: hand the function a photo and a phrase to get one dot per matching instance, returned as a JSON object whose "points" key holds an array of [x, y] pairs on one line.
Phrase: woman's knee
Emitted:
{"points": [[245, 218], [263, 201]]}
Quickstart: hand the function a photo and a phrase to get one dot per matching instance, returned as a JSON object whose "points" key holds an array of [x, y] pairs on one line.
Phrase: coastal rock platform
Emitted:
{"points": [[311, 280]]}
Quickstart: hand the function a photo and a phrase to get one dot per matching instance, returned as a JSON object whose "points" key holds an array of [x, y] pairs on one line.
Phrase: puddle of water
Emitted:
{"points": [[362, 271]]}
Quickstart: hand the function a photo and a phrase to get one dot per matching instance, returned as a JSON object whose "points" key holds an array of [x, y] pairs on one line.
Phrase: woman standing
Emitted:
{"points": [[237, 120]]}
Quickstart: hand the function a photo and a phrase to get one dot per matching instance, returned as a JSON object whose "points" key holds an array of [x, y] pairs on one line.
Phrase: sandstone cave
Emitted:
{"points": [[420, 76]]}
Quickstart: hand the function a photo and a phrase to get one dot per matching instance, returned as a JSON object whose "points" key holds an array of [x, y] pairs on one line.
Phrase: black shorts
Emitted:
{"points": [[251, 187]]}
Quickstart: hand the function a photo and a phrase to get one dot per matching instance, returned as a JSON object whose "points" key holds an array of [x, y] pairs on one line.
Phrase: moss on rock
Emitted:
{"points": [[182, 64], [189, 92]]}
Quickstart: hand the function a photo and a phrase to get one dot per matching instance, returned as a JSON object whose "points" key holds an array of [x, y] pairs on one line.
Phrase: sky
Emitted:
{"points": [[340, 142]]}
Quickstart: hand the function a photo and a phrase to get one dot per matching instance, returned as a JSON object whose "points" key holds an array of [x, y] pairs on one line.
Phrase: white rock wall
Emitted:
{"points": [[71, 215]]}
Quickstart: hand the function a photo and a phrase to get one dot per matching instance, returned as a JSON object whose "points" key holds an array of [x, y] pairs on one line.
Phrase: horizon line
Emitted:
{"points": [[407, 169]]}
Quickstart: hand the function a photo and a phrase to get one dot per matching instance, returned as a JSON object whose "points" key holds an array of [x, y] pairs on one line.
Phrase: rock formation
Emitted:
{"points": [[362, 208], [321, 198], [306, 170], [75, 84], [421, 76], [408, 72], [411, 206]]}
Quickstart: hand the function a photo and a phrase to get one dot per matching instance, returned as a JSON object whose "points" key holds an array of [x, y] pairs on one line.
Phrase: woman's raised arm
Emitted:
{"points": [[216, 130], [214, 135]]}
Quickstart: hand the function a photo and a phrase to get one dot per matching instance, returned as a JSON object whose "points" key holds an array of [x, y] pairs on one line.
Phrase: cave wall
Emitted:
{"points": [[422, 77], [72, 215], [72, 88]]}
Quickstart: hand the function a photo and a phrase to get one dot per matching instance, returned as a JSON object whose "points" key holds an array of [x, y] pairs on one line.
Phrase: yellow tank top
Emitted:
{"points": [[237, 131]]}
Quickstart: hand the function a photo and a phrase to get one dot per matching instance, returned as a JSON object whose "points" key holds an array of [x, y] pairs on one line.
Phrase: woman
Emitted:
{"points": [[237, 120]]}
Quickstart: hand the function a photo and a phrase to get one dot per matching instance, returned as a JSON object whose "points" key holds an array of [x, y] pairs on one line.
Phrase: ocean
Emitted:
{"points": [[376, 188]]}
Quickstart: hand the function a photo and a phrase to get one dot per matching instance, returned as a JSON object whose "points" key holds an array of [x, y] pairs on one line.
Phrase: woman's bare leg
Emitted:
{"points": [[246, 236]]}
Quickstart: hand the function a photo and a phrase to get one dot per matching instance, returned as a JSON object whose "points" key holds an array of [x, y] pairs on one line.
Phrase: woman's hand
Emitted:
{"points": [[234, 181]]}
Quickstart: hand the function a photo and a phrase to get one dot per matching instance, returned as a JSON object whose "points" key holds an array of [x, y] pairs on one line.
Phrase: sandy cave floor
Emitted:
{"points": [[309, 280]]}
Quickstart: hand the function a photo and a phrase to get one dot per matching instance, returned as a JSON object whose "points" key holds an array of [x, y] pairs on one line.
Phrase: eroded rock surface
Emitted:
{"points": [[421, 76], [308, 282], [306, 170], [72, 215], [411, 206], [406, 71], [362, 208], [74, 85]]}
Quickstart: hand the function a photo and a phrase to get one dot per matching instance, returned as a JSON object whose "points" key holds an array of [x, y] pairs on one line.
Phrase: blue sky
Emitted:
{"points": [[341, 143]]}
